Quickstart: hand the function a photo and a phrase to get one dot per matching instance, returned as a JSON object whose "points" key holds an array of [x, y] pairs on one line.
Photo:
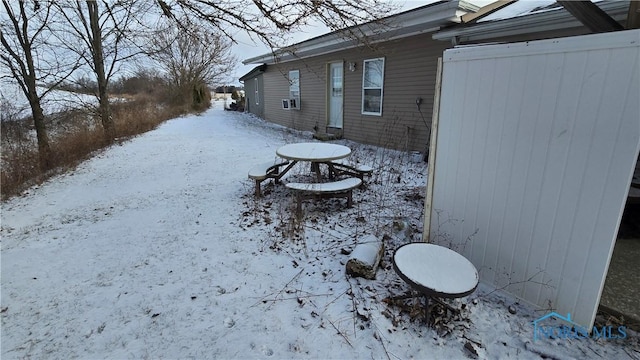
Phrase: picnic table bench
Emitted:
{"points": [[268, 170], [340, 188], [346, 167]]}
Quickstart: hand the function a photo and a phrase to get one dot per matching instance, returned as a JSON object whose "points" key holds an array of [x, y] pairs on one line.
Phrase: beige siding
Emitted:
{"points": [[250, 95], [410, 67]]}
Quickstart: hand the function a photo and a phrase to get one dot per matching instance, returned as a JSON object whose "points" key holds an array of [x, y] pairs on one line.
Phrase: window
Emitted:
{"points": [[255, 83], [372, 84], [294, 88]]}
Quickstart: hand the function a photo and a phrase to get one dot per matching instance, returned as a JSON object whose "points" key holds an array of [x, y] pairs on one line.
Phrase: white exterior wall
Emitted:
{"points": [[536, 147]]}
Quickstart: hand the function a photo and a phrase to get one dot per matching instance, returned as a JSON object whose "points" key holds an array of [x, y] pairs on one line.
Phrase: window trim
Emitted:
{"points": [[381, 88], [296, 89], [257, 92]]}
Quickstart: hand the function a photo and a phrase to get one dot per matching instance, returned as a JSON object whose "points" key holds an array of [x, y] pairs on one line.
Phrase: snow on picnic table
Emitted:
{"points": [[157, 248], [437, 268]]}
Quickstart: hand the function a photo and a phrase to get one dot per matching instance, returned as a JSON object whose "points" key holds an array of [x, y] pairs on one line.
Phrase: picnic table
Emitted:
{"points": [[316, 153], [435, 271]]}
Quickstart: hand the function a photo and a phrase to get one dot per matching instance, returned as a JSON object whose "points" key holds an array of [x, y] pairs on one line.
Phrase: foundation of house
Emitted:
{"points": [[326, 136]]}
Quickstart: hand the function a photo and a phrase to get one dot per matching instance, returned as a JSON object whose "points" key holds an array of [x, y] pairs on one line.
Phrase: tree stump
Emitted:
{"points": [[365, 258]]}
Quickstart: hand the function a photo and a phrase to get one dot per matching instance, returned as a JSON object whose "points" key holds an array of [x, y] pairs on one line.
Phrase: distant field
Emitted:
{"points": [[220, 96], [55, 101]]}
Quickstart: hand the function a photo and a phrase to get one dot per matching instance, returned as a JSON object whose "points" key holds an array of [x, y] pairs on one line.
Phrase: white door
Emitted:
{"points": [[334, 95]]}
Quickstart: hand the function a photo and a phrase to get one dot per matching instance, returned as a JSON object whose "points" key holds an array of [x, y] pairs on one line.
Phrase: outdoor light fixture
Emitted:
{"points": [[352, 66]]}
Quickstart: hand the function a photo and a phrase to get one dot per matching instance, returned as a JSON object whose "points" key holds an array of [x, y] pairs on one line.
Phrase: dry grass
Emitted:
{"points": [[74, 136]]}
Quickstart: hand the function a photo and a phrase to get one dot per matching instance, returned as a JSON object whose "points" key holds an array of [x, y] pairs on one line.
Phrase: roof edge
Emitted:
{"points": [[430, 16], [253, 72]]}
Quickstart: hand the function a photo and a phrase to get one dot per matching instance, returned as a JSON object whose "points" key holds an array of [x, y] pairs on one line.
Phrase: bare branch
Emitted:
{"points": [[192, 57], [270, 21]]}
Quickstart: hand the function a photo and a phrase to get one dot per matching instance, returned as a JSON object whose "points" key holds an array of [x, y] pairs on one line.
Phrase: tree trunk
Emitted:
{"points": [[44, 150], [98, 61], [31, 91]]}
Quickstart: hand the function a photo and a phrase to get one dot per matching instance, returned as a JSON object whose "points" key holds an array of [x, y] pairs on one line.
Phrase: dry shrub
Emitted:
{"points": [[74, 147], [142, 115], [201, 98], [19, 156], [74, 136]]}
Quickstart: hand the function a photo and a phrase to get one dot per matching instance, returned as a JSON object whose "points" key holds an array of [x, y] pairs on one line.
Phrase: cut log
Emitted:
{"points": [[365, 258]]}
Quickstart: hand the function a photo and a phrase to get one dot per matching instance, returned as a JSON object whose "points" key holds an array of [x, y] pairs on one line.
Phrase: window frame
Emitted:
{"points": [[365, 88], [256, 83], [294, 87]]}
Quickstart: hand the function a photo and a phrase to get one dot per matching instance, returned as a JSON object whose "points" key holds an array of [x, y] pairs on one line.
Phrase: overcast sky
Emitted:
{"points": [[247, 48]]}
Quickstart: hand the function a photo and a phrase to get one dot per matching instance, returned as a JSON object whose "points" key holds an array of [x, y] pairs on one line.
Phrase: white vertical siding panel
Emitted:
{"points": [[461, 137], [563, 160], [556, 144], [620, 91], [464, 173], [522, 211], [481, 117], [535, 143], [504, 176], [588, 96], [488, 178], [540, 236]]}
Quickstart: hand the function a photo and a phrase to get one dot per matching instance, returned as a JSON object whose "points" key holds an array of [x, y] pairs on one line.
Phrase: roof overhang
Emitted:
{"points": [[421, 20], [555, 19], [254, 72]]}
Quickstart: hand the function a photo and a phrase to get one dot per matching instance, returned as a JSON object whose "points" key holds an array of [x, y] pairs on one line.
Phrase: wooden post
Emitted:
{"points": [[591, 16], [633, 16], [433, 145]]}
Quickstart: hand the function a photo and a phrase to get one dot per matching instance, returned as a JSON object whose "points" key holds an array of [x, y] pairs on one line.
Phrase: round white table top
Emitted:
{"points": [[313, 151], [435, 270]]}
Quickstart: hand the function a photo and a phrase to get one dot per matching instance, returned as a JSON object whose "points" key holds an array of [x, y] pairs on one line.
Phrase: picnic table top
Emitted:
{"points": [[313, 151], [435, 270]]}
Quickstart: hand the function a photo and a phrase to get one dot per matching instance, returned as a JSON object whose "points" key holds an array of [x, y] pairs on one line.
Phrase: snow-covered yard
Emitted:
{"points": [[157, 248], [55, 101]]}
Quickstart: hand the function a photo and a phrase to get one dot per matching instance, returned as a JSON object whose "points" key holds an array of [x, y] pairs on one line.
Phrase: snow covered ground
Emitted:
{"points": [[55, 101], [156, 248]]}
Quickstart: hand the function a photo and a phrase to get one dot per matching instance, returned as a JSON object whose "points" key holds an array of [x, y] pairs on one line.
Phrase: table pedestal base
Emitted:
{"points": [[430, 303]]}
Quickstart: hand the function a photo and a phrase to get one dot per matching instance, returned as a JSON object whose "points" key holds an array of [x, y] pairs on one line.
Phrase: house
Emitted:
{"points": [[377, 89], [254, 90]]}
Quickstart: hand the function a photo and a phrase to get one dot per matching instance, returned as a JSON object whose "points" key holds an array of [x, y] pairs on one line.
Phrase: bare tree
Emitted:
{"points": [[29, 56], [103, 33], [268, 20], [192, 59]]}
